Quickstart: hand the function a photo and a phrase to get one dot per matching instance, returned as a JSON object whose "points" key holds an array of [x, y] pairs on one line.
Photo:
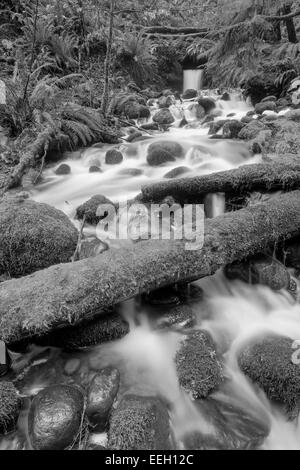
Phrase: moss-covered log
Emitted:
{"points": [[245, 179], [67, 294]]}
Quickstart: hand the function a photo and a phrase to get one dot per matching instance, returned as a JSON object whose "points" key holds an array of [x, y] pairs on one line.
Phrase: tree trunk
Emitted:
{"points": [[256, 177], [68, 294], [108, 59], [291, 30]]}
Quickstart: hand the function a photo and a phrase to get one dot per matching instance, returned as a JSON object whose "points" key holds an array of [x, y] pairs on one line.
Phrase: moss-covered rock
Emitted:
{"points": [[100, 330], [113, 157], [9, 407], [265, 106], [178, 316], [251, 130], [208, 104], [88, 209], [164, 117], [232, 128], [163, 152], [139, 423], [33, 236], [260, 270], [198, 365], [268, 362], [189, 94]]}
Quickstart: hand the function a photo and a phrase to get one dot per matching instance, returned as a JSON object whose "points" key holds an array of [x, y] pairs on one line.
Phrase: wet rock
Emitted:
{"points": [[63, 169], [30, 179], [265, 106], [251, 130], [283, 103], [89, 209], [113, 157], [176, 172], [165, 102], [33, 236], [100, 330], [101, 396], [72, 366], [135, 136], [260, 270], [268, 362], [247, 119], [95, 169], [292, 253], [208, 104], [285, 137], [163, 117], [225, 96], [232, 129], [190, 292], [235, 428], [197, 110], [9, 407], [55, 417], [163, 152], [151, 126], [183, 123], [139, 423], [133, 106], [198, 366], [189, 94], [216, 126], [164, 296], [131, 172], [176, 316], [5, 360]]}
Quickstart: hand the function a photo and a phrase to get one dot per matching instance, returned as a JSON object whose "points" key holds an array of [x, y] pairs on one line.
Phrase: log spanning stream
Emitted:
{"points": [[232, 312]]}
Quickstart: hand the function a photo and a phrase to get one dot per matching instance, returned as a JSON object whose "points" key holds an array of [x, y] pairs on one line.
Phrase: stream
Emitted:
{"points": [[232, 312]]}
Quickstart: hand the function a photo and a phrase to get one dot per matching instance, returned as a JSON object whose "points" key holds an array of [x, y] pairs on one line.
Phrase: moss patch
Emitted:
{"points": [[9, 407]]}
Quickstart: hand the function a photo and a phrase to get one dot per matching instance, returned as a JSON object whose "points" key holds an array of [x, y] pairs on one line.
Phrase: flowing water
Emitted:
{"points": [[231, 311], [192, 79]]}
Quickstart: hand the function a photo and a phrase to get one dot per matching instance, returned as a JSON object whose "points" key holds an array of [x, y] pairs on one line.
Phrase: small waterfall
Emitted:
{"points": [[192, 79]]}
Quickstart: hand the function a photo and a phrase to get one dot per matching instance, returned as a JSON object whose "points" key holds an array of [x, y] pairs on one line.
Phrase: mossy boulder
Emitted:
{"points": [[197, 110], [251, 130], [260, 270], [139, 423], [208, 104], [133, 106], [88, 209], [165, 102], [232, 128], [198, 365], [63, 169], [177, 316], [164, 117], [9, 407], [293, 115], [265, 106], [101, 396], [163, 152], [177, 172], [189, 94], [268, 362], [113, 157], [33, 236], [103, 329], [55, 417]]}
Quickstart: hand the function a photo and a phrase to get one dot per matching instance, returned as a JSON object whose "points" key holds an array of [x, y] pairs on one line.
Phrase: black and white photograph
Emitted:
{"points": [[149, 228]]}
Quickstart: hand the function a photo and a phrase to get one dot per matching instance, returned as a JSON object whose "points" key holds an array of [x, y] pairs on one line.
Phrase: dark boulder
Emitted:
{"points": [[10, 403], [163, 152], [189, 94], [139, 423], [231, 129], [33, 236], [63, 169], [177, 172], [216, 126], [165, 102], [113, 157], [101, 396], [269, 363], [95, 169], [251, 130], [151, 126], [198, 366], [265, 106], [208, 104], [55, 417], [164, 117], [197, 110], [225, 96], [88, 210]]}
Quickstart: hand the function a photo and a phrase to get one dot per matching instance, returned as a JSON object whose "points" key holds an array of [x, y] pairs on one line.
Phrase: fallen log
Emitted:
{"points": [[68, 294], [173, 30], [245, 179]]}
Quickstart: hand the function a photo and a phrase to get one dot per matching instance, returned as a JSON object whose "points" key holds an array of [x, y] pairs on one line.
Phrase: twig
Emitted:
{"points": [[78, 247]]}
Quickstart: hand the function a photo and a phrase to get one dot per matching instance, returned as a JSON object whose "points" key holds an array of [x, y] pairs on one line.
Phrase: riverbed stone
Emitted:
{"points": [[113, 157], [72, 366], [177, 316], [165, 102], [163, 152], [164, 117], [198, 366], [88, 209], [55, 417], [208, 104], [189, 94], [33, 236], [177, 172], [235, 427], [139, 423], [197, 110], [269, 363], [265, 106], [101, 396], [10, 403], [232, 128], [63, 169], [100, 330], [251, 130], [95, 169]]}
